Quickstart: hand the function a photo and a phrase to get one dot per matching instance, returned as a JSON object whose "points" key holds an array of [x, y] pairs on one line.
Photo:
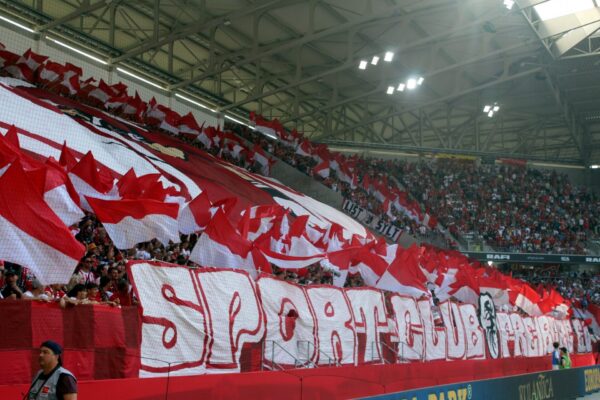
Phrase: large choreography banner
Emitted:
{"points": [[46, 121], [197, 321]]}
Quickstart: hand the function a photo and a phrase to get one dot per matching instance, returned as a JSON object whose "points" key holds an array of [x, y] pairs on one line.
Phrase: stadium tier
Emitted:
{"points": [[155, 246]]}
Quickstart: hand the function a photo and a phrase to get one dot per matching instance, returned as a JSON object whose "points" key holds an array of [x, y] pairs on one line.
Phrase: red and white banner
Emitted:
{"points": [[200, 321]]}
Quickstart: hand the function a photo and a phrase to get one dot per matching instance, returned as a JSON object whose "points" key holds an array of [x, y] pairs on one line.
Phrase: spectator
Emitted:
{"points": [[11, 289], [36, 292]]}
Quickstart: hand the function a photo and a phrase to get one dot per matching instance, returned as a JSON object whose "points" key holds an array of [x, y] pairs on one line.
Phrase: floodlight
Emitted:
{"points": [[491, 114], [496, 108], [487, 109], [362, 65], [76, 50], [390, 90], [401, 87], [420, 81], [595, 166], [389, 56], [411, 83], [375, 60], [15, 23], [509, 4]]}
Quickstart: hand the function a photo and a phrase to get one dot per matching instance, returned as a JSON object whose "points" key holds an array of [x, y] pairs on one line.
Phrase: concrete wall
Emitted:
{"points": [[300, 182]]}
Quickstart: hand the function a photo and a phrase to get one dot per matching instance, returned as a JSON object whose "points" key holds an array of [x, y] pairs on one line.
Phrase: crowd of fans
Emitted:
{"points": [[583, 286], [376, 169], [512, 208]]}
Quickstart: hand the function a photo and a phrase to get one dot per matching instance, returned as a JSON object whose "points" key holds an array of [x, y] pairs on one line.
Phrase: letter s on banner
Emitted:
{"points": [[289, 322], [173, 323], [335, 333], [236, 315]]}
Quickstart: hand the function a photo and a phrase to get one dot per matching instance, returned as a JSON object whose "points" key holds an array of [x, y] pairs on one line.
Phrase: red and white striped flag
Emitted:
{"points": [[129, 222], [404, 275], [304, 149], [60, 194], [92, 179], [32, 234], [222, 246], [195, 215], [188, 126], [322, 169]]}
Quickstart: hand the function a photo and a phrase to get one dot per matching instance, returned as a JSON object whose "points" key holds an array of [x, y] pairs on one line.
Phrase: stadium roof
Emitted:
{"points": [[298, 61]]}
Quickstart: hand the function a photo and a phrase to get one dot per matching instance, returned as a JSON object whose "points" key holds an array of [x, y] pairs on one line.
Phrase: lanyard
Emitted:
{"points": [[43, 383]]}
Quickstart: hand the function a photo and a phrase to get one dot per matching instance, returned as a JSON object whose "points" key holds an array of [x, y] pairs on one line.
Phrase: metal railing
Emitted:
{"points": [[272, 363], [330, 361]]}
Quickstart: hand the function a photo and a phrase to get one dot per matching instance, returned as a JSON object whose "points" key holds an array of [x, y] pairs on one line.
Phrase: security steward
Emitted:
{"points": [[52, 382]]}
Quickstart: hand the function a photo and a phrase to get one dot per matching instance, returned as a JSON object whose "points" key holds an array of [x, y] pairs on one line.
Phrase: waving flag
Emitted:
{"points": [[188, 126], [322, 169], [195, 215], [32, 234], [221, 246], [404, 275], [60, 195], [304, 149], [129, 222], [92, 179]]}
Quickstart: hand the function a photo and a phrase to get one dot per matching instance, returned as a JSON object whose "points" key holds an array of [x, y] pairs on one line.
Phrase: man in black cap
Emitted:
{"points": [[52, 382]]}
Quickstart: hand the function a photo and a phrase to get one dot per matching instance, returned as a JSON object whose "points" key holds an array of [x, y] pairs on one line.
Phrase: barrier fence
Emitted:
{"points": [[383, 381]]}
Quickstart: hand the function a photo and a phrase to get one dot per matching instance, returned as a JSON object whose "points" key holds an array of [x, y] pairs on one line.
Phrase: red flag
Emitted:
{"points": [[322, 169], [404, 274], [195, 215], [221, 246], [32, 234], [7, 58], [60, 195], [188, 126], [129, 222]]}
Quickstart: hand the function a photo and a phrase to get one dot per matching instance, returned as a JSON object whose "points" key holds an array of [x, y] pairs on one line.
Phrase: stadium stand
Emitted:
{"points": [[267, 277]]}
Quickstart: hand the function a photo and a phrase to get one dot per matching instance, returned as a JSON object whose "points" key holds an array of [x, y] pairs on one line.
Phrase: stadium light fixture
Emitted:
{"points": [[420, 80], [509, 4], [194, 102], [411, 84], [139, 78], [76, 50], [375, 60], [237, 121], [401, 87], [491, 109], [18, 25], [390, 90], [389, 56], [363, 64], [595, 166]]}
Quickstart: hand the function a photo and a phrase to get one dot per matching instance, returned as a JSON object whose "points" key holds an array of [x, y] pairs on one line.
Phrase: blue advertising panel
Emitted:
{"points": [[550, 385]]}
